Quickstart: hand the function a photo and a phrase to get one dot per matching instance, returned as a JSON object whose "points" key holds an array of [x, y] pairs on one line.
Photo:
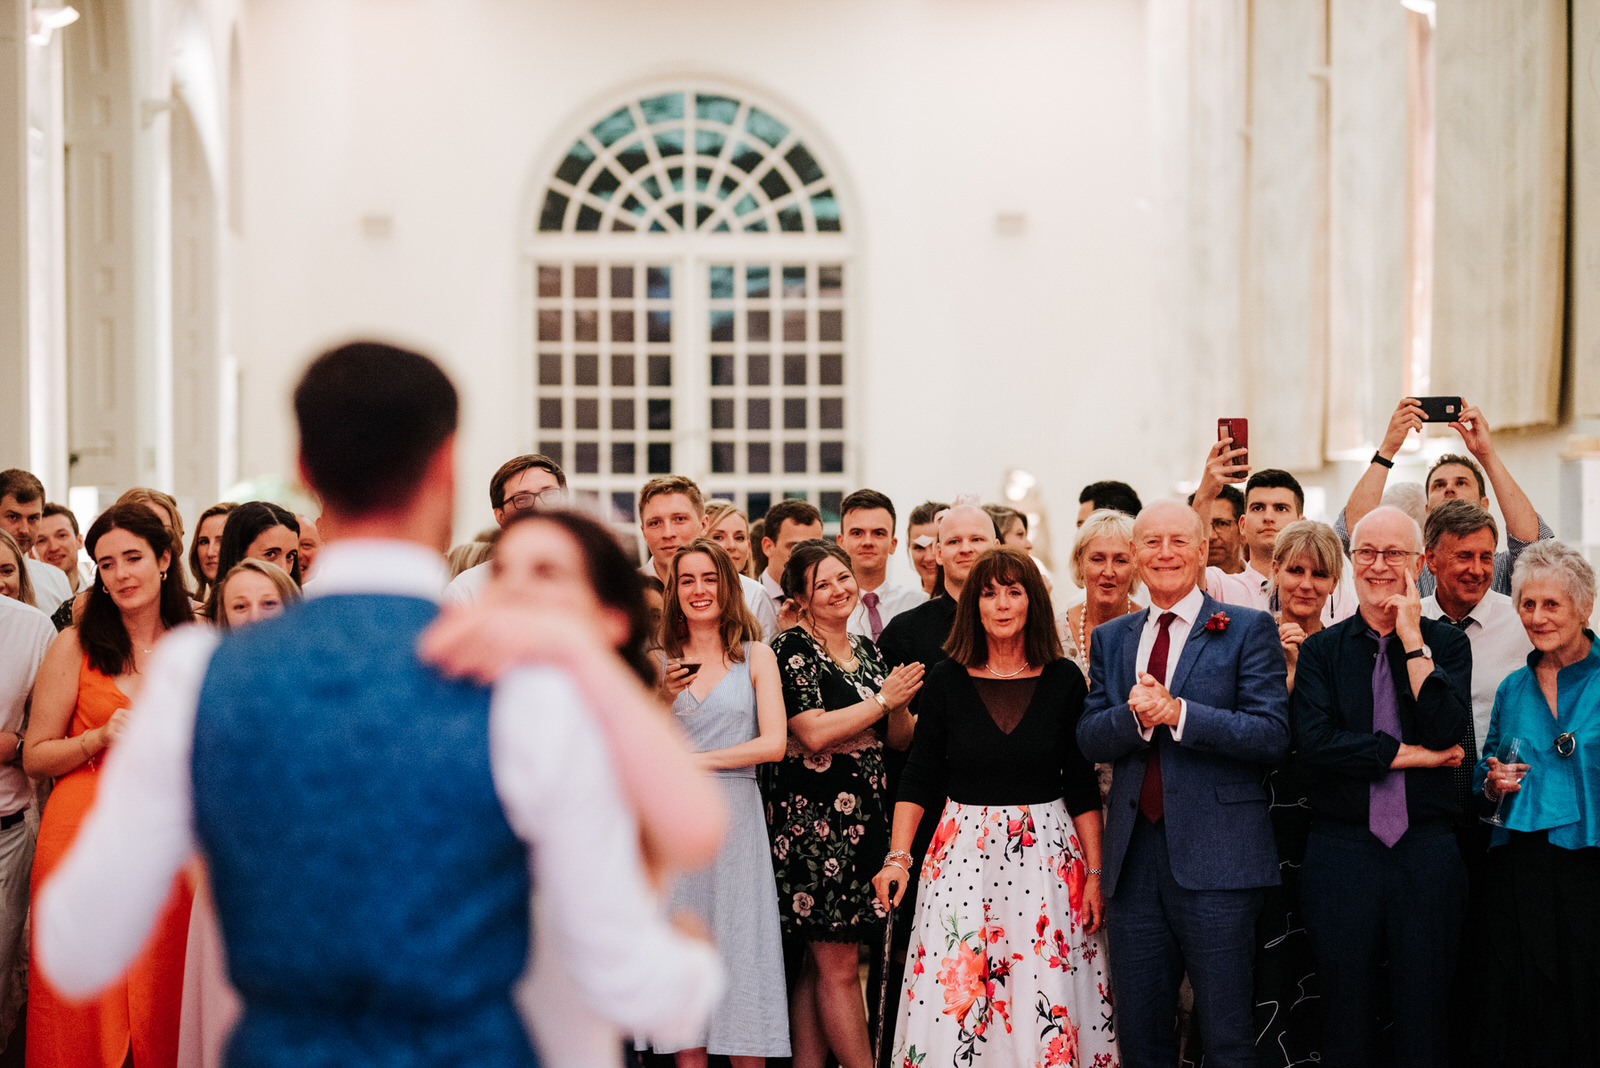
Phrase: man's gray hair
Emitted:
{"points": [[1561, 562], [1457, 517], [1382, 510]]}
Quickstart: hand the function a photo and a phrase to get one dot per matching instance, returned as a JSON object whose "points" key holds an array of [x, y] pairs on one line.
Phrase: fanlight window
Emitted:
{"points": [[690, 161]]}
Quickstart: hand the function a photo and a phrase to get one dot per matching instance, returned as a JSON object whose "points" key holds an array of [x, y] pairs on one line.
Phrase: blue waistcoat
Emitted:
{"points": [[372, 897]]}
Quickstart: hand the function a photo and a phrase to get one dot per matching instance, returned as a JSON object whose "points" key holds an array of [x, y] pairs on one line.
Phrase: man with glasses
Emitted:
{"points": [[523, 484], [1381, 706]]}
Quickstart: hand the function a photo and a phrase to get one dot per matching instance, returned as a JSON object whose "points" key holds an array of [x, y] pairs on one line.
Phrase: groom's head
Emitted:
{"points": [[377, 436], [1169, 548]]}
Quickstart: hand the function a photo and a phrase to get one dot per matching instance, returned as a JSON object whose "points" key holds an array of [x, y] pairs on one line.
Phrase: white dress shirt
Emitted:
{"points": [[50, 585], [892, 600], [468, 587], [1187, 610], [25, 635], [550, 768], [1500, 646]]}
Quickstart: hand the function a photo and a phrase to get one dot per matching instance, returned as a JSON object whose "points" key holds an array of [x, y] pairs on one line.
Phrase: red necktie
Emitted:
{"points": [[1150, 802], [874, 620]]}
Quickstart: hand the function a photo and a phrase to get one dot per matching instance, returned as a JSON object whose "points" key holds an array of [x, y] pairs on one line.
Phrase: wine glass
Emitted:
{"points": [[1509, 753]]}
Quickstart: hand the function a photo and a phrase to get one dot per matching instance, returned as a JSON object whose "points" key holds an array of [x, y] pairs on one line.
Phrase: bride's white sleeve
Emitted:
{"points": [[599, 917]]}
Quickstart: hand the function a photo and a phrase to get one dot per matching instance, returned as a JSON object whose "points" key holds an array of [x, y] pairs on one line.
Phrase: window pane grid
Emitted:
{"points": [[604, 395], [777, 404]]}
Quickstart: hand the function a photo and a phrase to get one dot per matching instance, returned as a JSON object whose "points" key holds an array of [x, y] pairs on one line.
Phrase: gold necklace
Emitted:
{"points": [[847, 665]]}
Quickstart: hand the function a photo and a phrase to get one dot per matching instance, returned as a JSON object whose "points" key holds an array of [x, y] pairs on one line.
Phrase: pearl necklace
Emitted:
{"points": [[1083, 617]]}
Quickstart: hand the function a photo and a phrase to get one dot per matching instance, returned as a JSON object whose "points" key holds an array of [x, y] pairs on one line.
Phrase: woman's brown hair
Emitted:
{"points": [[738, 624], [969, 643], [101, 632], [202, 585]]}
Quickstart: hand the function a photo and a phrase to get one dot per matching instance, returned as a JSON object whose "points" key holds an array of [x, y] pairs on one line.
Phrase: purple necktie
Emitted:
{"points": [[1386, 796], [1152, 803], [874, 620]]}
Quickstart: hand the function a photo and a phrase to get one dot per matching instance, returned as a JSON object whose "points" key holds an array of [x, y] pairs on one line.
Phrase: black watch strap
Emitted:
{"points": [[1382, 460]]}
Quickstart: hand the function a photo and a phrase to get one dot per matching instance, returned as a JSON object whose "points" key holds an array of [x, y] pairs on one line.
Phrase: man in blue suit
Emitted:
{"points": [[1188, 702]]}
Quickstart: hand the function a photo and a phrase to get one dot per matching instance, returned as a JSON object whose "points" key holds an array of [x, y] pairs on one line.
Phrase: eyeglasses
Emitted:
{"points": [[526, 502], [1392, 557]]}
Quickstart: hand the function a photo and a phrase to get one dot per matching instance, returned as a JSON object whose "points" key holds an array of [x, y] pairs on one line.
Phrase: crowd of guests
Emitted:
{"points": [[1267, 791]]}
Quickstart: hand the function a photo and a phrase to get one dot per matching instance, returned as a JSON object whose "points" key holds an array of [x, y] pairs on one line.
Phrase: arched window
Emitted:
{"points": [[689, 274]]}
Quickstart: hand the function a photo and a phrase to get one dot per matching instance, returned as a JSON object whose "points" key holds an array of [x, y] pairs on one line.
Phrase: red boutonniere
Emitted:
{"points": [[1218, 622]]}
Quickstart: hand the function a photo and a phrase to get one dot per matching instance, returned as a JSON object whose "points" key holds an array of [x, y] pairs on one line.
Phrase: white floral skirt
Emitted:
{"points": [[999, 969]]}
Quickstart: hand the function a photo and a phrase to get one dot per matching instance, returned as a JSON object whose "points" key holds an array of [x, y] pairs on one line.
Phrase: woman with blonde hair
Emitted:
{"points": [[1102, 564], [14, 580], [254, 589], [729, 527], [1307, 561]]}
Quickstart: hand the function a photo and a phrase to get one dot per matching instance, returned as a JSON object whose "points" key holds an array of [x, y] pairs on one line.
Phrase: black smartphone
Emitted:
{"points": [[1440, 409]]}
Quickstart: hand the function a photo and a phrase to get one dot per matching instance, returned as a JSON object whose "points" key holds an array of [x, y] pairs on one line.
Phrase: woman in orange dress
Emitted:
{"points": [[80, 703]]}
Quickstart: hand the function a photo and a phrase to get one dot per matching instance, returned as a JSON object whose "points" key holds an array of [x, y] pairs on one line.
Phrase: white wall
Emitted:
{"points": [[938, 114]]}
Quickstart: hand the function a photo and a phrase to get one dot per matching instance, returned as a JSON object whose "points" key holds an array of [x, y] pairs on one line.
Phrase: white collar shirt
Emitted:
{"points": [[1187, 610], [50, 585], [1500, 646], [892, 600], [25, 635]]}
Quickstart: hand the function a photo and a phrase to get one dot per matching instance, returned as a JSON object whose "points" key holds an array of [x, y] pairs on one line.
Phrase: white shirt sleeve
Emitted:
{"points": [[95, 912], [561, 796], [755, 595]]}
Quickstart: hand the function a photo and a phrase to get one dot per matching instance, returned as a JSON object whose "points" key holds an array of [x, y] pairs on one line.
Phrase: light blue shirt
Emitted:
{"points": [[1559, 794]]}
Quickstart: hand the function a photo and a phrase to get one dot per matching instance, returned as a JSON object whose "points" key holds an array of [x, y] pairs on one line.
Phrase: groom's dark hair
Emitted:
{"points": [[371, 418]]}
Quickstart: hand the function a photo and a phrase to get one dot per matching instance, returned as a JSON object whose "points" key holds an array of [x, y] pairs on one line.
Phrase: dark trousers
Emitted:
{"points": [[1539, 956], [1156, 930], [1365, 903]]}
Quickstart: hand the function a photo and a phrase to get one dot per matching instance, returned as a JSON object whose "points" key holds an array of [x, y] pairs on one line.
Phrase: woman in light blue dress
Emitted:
{"points": [[729, 701]]}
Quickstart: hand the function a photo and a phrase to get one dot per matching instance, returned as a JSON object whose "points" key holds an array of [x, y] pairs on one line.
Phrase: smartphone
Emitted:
{"points": [[1440, 409], [1238, 429]]}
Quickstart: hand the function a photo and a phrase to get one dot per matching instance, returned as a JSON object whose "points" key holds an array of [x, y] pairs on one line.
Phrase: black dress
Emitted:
{"points": [[826, 810]]}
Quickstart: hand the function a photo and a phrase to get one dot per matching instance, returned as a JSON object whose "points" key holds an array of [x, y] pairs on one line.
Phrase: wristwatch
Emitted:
{"points": [[1423, 653]]}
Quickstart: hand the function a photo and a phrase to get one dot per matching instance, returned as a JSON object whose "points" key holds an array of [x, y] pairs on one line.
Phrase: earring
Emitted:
{"points": [[163, 576]]}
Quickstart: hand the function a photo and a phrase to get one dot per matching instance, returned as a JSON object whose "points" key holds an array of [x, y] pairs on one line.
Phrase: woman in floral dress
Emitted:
{"points": [[1006, 965], [826, 808]]}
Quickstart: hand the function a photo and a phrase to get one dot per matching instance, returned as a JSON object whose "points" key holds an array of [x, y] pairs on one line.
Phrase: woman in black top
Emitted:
{"points": [[1005, 958]]}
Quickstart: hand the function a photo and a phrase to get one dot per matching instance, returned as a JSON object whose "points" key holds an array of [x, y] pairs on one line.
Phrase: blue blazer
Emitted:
{"points": [[1235, 729]]}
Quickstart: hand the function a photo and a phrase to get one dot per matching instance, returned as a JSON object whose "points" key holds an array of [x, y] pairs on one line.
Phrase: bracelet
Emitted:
{"points": [[84, 745], [1382, 460], [898, 856], [878, 697], [896, 864]]}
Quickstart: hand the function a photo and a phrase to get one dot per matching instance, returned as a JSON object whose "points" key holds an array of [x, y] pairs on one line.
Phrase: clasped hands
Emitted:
{"points": [[1152, 703]]}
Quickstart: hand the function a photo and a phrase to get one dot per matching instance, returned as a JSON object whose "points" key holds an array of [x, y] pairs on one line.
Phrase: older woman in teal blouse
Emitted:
{"points": [[1540, 925]]}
